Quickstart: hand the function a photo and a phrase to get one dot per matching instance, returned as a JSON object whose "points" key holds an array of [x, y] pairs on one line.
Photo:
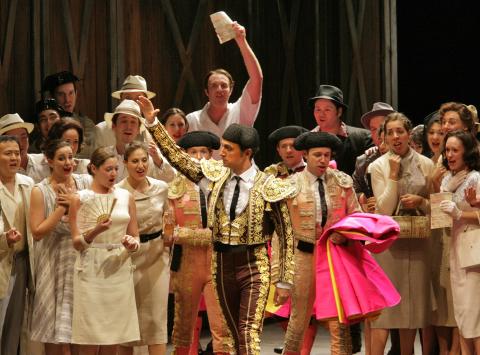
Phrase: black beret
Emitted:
{"points": [[51, 82], [286, 132], [199, 139], [49, 104], [317, 140], [244, 136]]}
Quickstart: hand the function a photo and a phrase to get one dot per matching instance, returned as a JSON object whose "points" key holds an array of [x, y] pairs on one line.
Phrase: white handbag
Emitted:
{"points": [[469, 247]]}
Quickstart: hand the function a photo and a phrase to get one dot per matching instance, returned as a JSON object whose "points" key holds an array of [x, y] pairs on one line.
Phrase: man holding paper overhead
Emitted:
{"points": [[218, 113]]}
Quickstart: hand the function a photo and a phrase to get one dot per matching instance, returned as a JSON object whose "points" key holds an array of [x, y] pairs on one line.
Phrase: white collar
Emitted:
{"points": [[248, 175]]}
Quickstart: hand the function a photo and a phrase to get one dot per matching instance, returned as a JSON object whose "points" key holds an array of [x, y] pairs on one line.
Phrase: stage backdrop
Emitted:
{"points": [[300, 45]]}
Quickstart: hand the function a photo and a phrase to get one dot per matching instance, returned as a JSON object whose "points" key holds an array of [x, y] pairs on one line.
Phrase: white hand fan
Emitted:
{"points": [[95, 210]]}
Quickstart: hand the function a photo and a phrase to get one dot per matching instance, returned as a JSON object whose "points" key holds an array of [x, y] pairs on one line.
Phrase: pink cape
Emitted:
{"points": [[352, 286]]}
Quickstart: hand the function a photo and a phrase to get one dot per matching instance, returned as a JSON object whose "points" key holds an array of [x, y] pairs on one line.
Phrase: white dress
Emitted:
{"points": [[51, 320], [104, 309], [465, 282]]}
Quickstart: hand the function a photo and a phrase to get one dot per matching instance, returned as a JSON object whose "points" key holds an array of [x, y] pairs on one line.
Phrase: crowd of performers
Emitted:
{"points": [[100, 222]]}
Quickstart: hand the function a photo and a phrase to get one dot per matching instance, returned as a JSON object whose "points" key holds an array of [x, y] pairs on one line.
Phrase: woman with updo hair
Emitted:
{"points": [[51, 321], [152, 274], [401, 186], [105, 233], [461, 155], [70, 131], [458, 116]]}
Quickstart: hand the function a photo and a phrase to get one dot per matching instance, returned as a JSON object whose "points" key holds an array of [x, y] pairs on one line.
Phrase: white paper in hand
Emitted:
{"points": [[223, 26]]}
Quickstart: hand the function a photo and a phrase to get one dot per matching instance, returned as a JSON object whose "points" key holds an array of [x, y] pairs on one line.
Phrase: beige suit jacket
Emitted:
{"points": [[25, 185]]}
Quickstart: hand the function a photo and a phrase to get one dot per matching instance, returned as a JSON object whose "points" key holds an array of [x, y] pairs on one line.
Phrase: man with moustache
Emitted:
{"points": [[16, 245], [245, 206], [323, 197]]}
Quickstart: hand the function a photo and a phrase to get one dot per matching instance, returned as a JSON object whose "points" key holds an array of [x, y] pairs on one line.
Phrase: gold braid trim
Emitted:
{"points": [[176, 156], [275, 189], [284, 230], [343, 180], [213, 169], [263, 266], [201, 237], [228, 341], [177, 187]]}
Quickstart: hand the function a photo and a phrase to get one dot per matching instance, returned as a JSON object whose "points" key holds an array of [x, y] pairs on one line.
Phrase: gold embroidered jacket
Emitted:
{"points": [[266, 210]]}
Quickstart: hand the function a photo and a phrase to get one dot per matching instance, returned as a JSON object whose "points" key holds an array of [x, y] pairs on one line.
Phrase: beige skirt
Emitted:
{"points": [[152, 278], [104, 309]]}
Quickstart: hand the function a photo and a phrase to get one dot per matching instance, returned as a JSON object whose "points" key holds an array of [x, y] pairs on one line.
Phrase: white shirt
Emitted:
{"points": [[313, 182], [247, 178], [242, 111], [165, 172]]}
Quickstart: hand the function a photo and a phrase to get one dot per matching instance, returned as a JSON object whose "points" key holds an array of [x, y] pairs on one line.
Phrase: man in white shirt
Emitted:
{"points": [[218, 113]]}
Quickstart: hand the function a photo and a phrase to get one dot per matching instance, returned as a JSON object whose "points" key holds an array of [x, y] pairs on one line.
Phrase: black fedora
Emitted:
{"points": [[328, 92]]}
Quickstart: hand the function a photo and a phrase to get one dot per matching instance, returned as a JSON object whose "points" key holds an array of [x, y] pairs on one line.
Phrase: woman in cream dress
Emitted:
{"points": [[51, 322], [462, 155], [401, 186], [152, 274], [104, 231]]}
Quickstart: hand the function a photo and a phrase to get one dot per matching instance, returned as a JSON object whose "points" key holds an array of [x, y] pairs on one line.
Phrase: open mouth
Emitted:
{"points": [[67, 170]]}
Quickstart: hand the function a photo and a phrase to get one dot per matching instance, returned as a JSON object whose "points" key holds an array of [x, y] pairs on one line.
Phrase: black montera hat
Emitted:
{"points": [[199, 139], [286, 132], [316, 140]]}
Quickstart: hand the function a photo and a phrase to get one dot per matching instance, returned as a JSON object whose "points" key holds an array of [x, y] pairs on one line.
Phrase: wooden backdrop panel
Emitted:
{"points": [[172, 44]]}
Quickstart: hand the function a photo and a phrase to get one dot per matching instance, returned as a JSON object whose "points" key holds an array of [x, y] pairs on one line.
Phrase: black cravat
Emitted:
{"points": [[203, 208], [323, 202], [236, 193]]}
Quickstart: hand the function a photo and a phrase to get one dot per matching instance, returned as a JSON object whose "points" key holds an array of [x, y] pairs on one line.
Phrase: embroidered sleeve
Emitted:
{"points": [[177, 158]]}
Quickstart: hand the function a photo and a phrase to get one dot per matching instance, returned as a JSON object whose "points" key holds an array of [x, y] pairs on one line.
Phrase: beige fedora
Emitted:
{"points": [[134, 83], [13, 121], [127, 107]]}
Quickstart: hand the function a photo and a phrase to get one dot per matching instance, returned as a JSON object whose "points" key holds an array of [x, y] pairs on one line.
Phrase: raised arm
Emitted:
{"points": [[172, 152], [254, 85]]}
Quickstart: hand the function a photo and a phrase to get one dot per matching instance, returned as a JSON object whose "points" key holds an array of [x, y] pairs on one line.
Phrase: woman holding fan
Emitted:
{"points": [[104, 231]]}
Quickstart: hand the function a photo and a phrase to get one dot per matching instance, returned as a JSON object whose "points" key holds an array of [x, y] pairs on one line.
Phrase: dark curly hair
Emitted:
{"points": [[471, 154], [464, 112], [61, 126]]}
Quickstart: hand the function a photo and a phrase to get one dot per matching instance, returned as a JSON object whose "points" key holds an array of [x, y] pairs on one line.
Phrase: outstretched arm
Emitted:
{"points": [[254, 85], [170, 150]]}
